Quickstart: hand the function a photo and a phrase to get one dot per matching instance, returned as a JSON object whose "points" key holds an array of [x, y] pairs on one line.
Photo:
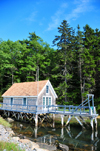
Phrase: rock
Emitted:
{"points": [[25, 141], [63, 147], [24, 144], [21, 125], [39, 149], [10, 120], [47, 147], [11, 133], [16, 138], [34, 145], [22, 136], [8, 129]]}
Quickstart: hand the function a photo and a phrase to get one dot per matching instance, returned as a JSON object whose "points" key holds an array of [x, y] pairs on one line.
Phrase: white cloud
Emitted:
{"points": [[76, 8], [82, 6], [64, 5], [57, 17], [32, 17]]}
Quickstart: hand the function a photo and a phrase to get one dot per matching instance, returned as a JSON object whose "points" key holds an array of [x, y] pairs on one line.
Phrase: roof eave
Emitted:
{"points": [[19, 96]]}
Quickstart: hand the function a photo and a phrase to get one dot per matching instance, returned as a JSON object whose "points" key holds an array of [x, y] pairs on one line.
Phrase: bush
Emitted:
{"points": [[97, 104]]}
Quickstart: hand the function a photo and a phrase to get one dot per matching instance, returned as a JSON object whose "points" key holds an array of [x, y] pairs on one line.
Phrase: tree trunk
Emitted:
{"points": [[80, 70]]}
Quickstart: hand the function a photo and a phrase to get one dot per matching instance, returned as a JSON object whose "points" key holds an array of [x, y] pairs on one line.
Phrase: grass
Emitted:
{"points": [[6, 145], [4, 122], [9, 146], [62, 109]]}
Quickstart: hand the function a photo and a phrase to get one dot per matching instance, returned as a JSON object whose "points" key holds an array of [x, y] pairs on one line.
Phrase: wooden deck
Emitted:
{"points": [[85, 109]]}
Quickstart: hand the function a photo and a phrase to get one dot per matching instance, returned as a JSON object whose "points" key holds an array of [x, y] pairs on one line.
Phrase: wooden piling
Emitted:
{"points": [[36, 120], [62, 120]]}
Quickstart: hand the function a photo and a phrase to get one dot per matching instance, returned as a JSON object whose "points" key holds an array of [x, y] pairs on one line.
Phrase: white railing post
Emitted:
{"points": [[90, 110], [94, 110], [93, 102]]}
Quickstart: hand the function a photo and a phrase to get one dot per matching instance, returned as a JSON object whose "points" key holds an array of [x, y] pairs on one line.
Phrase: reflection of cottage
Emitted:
{"points": [[30, 93]]}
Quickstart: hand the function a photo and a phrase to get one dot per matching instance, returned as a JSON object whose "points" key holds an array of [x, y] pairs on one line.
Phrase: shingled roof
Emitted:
{"points": [[25, 88]]}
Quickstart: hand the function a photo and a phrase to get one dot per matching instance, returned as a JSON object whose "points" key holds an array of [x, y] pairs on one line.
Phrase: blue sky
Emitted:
{"points": [[19, 17]]}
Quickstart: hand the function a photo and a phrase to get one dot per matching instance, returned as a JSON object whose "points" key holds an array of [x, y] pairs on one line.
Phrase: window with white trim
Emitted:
{"points": [[47, 89], [24, 102], [11, 101], [43, 102], [47, 100]]}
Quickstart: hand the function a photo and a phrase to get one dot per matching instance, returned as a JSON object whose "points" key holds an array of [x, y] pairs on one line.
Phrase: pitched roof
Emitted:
{"points": [[25, 88]]}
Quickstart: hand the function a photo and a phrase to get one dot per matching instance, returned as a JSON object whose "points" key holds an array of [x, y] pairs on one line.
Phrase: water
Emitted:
{"points": [[72, 136]]}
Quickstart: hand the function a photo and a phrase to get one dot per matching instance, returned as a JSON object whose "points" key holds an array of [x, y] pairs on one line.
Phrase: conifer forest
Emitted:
{"points": [[73, 67]]}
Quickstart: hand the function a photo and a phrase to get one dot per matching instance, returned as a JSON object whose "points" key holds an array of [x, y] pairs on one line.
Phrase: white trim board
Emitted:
{"points": [[19, 96]]}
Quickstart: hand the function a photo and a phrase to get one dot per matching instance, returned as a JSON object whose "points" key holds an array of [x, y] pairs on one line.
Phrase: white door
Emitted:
{"points": [[47, 100]]}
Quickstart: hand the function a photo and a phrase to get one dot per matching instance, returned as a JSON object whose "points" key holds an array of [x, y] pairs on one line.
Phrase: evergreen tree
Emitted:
{"points": [[64, 44], [88, 57], [79, 51]]}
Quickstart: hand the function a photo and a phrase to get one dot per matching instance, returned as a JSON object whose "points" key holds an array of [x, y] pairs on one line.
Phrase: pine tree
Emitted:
{"points": [[88, 57], [64, 44]]}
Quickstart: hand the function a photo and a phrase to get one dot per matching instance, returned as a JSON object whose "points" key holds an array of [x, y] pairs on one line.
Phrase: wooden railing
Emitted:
{"points": [[56, 109]]}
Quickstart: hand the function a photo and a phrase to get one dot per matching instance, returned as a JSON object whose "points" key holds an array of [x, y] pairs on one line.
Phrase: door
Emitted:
{"points": [[47, 100]]}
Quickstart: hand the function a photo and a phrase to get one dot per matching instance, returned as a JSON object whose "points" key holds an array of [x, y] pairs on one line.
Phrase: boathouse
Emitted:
{"points": [[26, 95], [31, 99]]}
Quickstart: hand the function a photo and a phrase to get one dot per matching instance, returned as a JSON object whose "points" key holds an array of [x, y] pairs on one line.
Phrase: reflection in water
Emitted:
{"points": [[68, 135]]}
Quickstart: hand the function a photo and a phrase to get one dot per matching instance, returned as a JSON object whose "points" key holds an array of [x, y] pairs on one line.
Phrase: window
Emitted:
{"points": [[47, 89], [49, 100], [24, 101], [11, 101], [44, 101]]}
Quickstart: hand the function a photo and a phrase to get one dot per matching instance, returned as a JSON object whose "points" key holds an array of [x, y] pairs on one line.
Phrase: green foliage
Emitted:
{"points": [[73, 69], [9, 146], [97, 104], [4, 122]]}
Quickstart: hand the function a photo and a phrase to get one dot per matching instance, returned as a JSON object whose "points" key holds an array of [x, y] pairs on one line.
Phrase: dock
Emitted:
{"points": [[85, 109]]}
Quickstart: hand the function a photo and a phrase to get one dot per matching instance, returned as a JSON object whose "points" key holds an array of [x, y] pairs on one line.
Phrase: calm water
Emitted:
{"points": [[73, 136]]}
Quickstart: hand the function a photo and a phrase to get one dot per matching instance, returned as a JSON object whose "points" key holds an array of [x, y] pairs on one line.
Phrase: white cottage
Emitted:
{"points": [[30, 93]]}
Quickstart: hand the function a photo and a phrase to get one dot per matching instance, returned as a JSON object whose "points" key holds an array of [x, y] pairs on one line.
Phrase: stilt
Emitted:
{"points": [[69, 127], [96, 133], [69, 118], [62, 132], [5, 113], [44, 139], [82, 119], [78, 135], [53, 117], [79, 121], [92, 124], [36, 120], [8, 114], [13, 114], [69, 132], [62, 120], [21, 116], [95, 123], [35, 132], [50, 140], [92, 136], [18, 116]]}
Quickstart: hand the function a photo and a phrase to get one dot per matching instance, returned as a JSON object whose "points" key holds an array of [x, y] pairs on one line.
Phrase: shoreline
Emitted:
{"points": [[7, 135]]}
